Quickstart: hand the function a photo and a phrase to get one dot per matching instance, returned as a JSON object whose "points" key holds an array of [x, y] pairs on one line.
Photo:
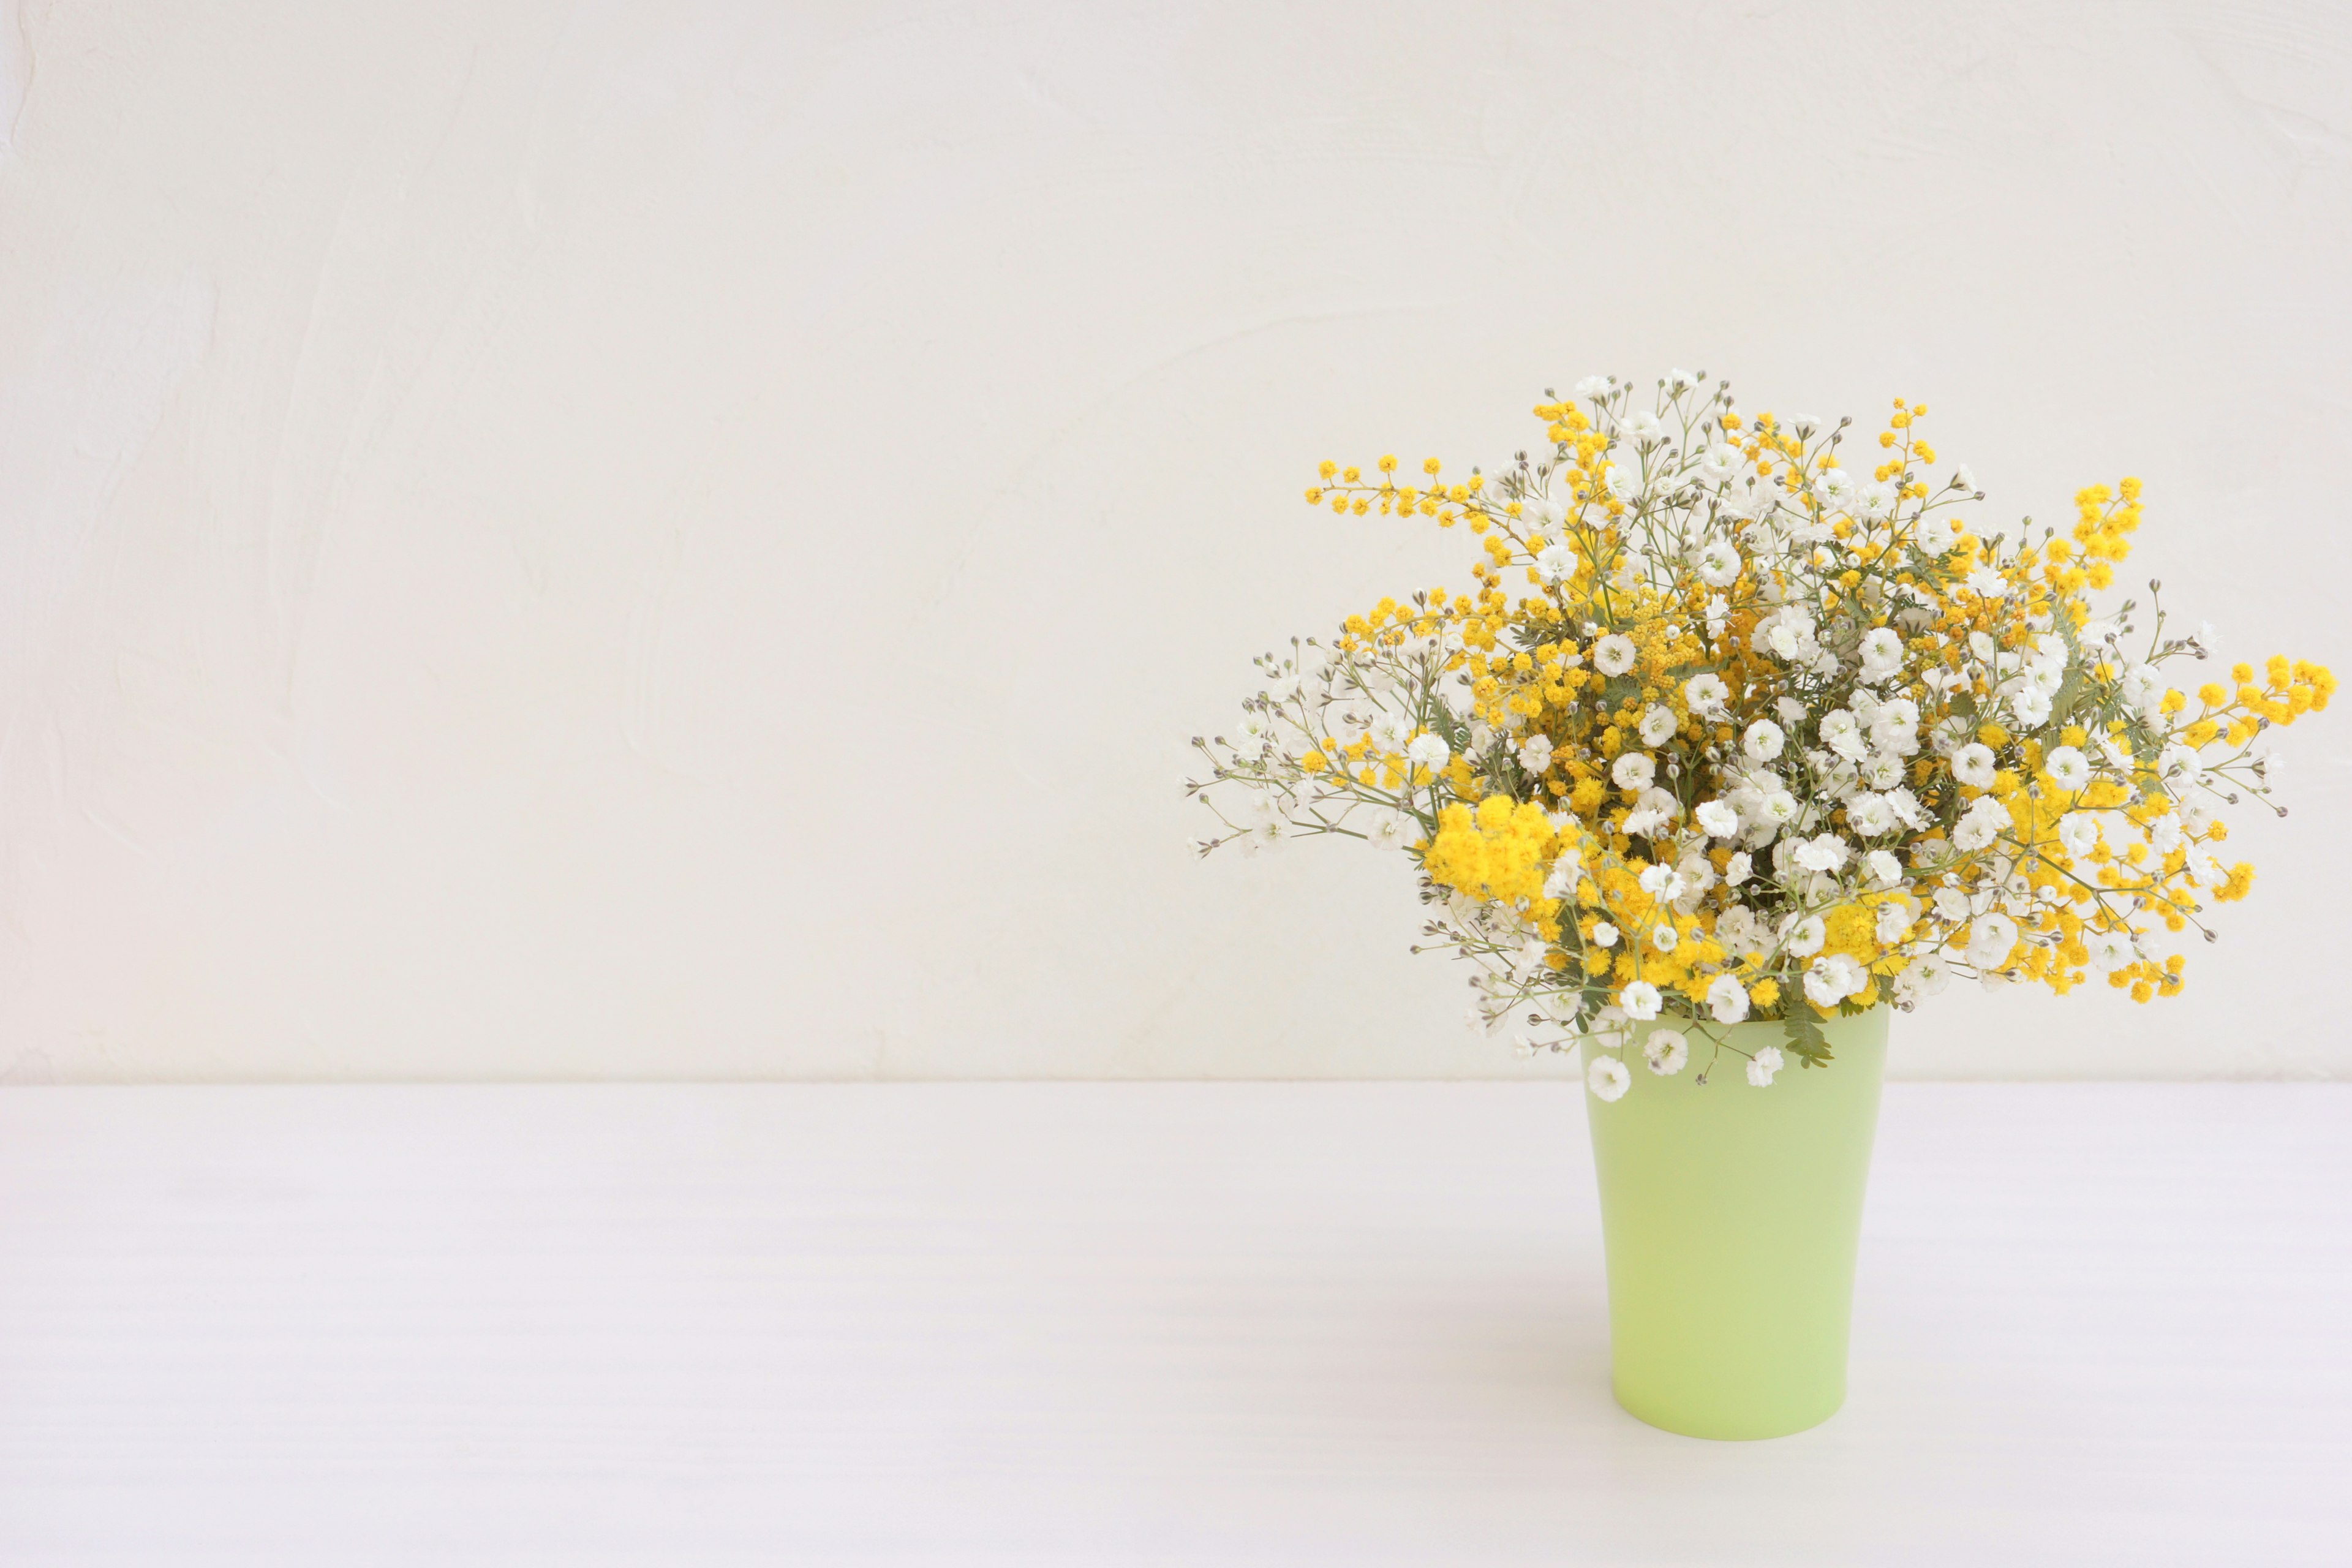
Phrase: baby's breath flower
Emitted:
{"points": [[1667, 1051], [1720, 820], [1641, 1001], [2068, 767], [1726, 999], [1608, 1079]]}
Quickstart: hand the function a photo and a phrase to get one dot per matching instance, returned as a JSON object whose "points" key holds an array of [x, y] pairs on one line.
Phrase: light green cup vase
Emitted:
{"points": [[1731, 1217]]}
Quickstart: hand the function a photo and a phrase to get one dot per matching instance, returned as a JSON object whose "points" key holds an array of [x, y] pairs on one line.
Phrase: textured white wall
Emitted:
{"points": [[687, 540]]}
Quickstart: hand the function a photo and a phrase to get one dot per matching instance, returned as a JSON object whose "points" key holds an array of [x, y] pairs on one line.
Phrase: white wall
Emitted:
{"points": [[687, 540]]}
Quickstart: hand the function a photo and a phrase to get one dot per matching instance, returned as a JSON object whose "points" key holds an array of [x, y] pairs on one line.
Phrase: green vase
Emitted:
{"points": [[1731, 1216]]}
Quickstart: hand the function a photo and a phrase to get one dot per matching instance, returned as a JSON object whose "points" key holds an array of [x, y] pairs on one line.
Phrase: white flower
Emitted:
{"points": [[1604, 935], [1618, 482], [1662, 883], [1780, 808], [1842, 733], [1614, 654], [1834, 486], [1894, 916], [1718, 615], [1886, 870], [1389, 732], [1643, 427], [1266, 837], [1973, 764], [1881, 772], [1952, 904], [2163, 834], [2068, 767], [1874, 501], [2032, 706], [2143, 686], [1389, 830], [1718, 564], [1633, 770], [1641, 1001], [1658, 725], [1979, 825], [1722, 460], [2176, 765], [1556, 564], [2078, 833], [1990, 938], [2110, 950], [1986, 583], [1607, 1079], [1927, 975], [1728, 1000], [2269, 766], [1763, 1065], [1595, 387], [1429, 752], [1720, 820], [1707, 692], [1660, 801], [1882, 653], [1668, 1050], [1896, 730], [1535, 753], [1764, 740], [1832, 977], [1791, 639], [1663, 937], [1870, 815], [1738, 869], [1805, 938], [1823, 852], [1936, 536]]}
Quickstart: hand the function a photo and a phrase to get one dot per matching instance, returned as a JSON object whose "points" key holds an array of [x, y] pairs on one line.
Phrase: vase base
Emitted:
{"points": [[1728, 1427]]}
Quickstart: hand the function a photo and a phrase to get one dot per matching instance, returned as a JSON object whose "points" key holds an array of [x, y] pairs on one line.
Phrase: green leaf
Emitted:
{"points": [[1805, 1036], [2070, 692]]}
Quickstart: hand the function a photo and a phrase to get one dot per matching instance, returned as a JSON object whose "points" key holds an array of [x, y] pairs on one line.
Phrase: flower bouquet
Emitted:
{"points": [[1744, 732]]}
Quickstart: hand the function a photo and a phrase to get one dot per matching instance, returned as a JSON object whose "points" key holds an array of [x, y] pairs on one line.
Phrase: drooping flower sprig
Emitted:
{"points": [[1732, 728]]}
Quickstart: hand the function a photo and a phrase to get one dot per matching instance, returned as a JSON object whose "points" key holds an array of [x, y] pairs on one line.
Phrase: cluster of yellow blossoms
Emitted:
{"points": [[1727, 731]]}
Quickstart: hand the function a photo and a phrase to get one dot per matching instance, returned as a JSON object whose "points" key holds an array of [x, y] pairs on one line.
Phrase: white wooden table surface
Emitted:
{"points": [[1343, 1324]]}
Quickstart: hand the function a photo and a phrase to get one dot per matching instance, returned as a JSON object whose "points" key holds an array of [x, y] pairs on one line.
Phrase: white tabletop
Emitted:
{"points": [[1228, 1323]]}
